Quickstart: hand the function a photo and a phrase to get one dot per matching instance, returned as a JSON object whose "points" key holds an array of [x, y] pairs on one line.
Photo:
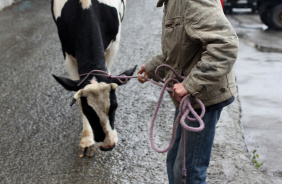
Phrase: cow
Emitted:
{"points": [[89, 31]]}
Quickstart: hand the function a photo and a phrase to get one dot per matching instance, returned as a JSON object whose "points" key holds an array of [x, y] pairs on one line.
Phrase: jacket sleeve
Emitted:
{"points": [[152, 64], [206, 24]]}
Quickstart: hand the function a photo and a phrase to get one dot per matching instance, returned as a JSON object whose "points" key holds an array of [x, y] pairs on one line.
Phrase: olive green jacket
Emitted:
{"points": [[198, 42]]}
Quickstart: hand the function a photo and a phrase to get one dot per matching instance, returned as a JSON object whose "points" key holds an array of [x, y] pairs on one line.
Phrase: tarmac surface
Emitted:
{"points": [[40, 133], [259, 72]]}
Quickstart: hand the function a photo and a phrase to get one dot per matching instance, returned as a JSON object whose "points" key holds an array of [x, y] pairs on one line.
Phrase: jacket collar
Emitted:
{"points": [[161, 2]]}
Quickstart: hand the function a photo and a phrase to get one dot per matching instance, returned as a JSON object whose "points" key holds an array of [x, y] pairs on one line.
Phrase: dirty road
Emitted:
{"points": [[40, 132]]}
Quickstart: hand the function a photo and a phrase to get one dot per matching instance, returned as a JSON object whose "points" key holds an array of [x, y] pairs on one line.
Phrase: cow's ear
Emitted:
{"points": [[127, 73], [68, 84]]}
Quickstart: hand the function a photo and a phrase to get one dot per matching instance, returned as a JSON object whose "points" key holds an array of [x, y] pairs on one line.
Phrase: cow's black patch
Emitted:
{"points": [[93, 119], [113, 107]]}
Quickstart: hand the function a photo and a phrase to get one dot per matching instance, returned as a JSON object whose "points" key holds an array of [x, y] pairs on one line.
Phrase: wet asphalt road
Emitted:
{"points": [[258, 72], [40, 132]]}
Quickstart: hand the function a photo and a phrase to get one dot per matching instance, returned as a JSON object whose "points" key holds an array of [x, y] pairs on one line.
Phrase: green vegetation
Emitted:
{"points": [[255, 158]]}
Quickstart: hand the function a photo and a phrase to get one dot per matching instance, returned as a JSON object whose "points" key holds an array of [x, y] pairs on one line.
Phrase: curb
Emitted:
{"points": [[259, 46]]}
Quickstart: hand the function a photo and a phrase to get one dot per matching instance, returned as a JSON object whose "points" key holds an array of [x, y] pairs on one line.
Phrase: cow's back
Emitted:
{"points": [[83, 27]]}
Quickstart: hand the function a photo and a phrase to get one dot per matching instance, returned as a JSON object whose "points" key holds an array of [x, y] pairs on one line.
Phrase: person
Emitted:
{"points": [[198, 42]]}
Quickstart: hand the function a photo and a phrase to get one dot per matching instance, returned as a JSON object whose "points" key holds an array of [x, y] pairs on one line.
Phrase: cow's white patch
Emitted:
{"points": [[110, 3], [85, 4], [87, 137], [111, 135], [71, 65], [118, 4], [111, 52], [57, 7]]}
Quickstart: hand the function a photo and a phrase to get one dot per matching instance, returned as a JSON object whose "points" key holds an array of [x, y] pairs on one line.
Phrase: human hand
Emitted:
{"points": [[140, 72], [179, 91]]}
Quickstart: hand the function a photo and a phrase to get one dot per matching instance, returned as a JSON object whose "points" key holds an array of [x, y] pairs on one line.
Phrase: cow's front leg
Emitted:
{"points": [[87, 147]]}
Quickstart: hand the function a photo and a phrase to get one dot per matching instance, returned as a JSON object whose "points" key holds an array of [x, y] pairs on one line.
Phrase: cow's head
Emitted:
{"points": [[98, 102]]}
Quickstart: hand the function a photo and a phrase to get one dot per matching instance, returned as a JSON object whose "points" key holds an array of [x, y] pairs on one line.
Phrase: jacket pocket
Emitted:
{"points": [[171, 23], [173, 31], [175, 42]]}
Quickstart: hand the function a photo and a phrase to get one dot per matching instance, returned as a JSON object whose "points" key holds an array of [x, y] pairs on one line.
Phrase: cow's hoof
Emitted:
{"points": [[87, 151], [91, 151], [81, 152]]}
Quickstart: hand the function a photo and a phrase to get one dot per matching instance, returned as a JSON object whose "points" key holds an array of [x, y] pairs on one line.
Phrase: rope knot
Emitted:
{"points": [[186, 108]]}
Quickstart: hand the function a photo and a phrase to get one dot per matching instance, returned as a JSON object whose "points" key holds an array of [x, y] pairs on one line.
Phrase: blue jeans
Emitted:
{"points": [[198, 151]]}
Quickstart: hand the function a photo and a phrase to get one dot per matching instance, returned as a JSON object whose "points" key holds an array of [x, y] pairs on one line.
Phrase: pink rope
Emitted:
{"points": [[105, 74], [185, 108]]}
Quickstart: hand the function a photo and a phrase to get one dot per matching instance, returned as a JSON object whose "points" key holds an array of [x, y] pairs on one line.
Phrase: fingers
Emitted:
{"points": [[178, 98], [141, 78], [175, 94], [140, 72], [179, 91], [142, 69]]}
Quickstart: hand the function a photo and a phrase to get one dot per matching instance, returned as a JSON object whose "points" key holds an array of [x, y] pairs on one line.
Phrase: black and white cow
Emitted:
{"points": [[89, 31]]}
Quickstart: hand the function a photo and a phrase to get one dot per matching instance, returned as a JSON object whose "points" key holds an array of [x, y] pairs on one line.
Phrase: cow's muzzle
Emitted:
{"points": [[107, 148]]}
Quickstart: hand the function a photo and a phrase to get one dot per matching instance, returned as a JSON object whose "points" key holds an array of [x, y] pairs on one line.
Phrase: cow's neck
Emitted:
{"points": [[89, 46], [88, 67]]}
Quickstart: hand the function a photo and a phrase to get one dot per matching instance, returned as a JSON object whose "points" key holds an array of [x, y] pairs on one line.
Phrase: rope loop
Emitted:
{"points": [[177, 76], [185, 108]]}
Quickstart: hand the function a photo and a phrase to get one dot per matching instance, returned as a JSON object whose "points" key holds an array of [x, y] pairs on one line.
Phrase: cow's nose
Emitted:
{"points": [[107, 148]]}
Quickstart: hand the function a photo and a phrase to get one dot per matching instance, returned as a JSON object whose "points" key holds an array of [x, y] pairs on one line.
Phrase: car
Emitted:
{"points": [[270, 12], [229, 5]]}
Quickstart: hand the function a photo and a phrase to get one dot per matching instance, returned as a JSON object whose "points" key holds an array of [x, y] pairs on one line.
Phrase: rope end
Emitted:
{"points": [[183, 179]]}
